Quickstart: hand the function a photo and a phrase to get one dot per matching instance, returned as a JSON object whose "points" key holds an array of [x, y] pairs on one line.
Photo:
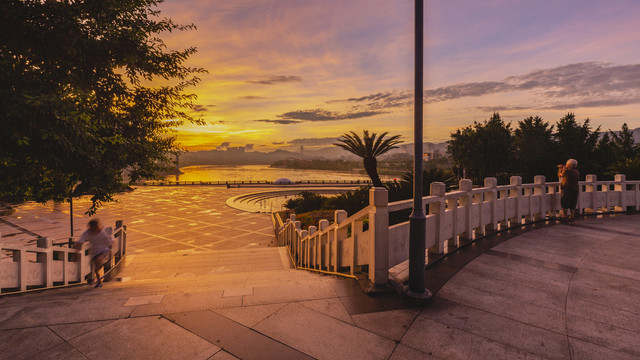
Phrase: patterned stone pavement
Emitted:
{"points": [[202, 282], [159, 219]]}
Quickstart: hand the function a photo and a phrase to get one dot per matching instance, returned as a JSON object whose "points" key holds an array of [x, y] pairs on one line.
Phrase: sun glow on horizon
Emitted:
{"points": [[284, 71]]}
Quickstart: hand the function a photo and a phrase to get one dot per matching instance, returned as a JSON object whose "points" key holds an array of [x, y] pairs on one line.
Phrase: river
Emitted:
{"points": [[260, 173]]}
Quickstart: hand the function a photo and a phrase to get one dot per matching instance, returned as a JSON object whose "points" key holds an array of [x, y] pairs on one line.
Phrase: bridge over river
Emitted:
{"points": [[205, 281]]}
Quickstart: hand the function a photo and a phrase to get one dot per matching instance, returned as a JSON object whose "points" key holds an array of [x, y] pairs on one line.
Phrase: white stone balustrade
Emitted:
{"points": [[461, 215], [52, 265]]}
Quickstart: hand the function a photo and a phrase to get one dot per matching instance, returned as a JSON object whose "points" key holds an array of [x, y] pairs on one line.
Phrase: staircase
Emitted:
{"points": [[172, 282]]}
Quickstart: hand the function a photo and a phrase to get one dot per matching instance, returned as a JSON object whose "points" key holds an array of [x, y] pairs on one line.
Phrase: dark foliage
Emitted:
{"points": [[403, 189], [75, 105], [484, 149], [306, 201], [369, 148], [351, 201]]}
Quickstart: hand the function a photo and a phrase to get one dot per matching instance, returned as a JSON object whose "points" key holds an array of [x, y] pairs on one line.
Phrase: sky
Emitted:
{"points": [[285, 73]]}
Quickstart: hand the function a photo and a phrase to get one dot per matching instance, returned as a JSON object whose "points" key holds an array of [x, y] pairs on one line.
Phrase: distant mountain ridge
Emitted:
{"points": [[238, 157]]}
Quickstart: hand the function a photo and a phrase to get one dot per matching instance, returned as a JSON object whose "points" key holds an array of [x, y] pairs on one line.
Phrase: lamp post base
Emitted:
{"points": [[422, 299]]}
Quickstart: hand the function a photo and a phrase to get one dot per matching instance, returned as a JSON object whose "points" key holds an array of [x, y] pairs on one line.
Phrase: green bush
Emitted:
{"points": [[351, 201], [403, 189], [312, 218], [305, 202]]}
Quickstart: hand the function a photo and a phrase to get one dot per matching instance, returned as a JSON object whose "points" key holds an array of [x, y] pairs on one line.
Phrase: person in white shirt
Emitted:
{"points": [[101, 243]]}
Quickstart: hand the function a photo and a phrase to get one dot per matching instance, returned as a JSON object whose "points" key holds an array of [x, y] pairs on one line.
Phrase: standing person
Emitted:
{"points": [[569, 176], [101, 244]]}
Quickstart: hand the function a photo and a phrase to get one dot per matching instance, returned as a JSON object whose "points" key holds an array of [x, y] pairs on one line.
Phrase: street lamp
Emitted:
{"points": [[73, 188], [417, 219]]}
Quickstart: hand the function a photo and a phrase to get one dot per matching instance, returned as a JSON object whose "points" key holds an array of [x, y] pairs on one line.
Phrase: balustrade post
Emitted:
{"points": [[636, 189], [84, 266], [282, 234], [46, 258], [477, 201], [491, 197], [339, 234], [123, 244], [293, 244], [437, 208], [312, 243], [119, 224], [66, 265], [356, 235], [20, 256], [466, 202], [378, 236], [291, 235], [591, 187], [303, 259], [540, 190], [621, 187], [287, 232], [605, 190], [1, 271], [516, 195], [323, 242]]}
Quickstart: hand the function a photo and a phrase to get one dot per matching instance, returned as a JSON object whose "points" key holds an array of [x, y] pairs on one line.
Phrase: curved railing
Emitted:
{"points": [[237, 183], [452, 218], [257, 201], [48, 265]]}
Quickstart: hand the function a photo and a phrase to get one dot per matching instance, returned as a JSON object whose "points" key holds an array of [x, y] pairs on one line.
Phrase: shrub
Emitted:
{"points": [[307, 201], [351, 201]]}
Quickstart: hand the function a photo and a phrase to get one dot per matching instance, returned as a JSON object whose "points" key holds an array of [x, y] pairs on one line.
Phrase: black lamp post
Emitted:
{"points": [[73, 188], [417, 219]]}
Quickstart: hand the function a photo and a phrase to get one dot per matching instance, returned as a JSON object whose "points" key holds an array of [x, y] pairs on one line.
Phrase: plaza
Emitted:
{"points": [[204, 281]]}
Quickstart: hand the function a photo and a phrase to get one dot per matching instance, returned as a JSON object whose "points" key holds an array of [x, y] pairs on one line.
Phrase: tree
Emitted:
{"points": [[577, 141], [403, 189], [483, 149], [75, 104], [623, 142], [534, 148], [369, 148], [627, 166], [603, 156], [624, 154]]}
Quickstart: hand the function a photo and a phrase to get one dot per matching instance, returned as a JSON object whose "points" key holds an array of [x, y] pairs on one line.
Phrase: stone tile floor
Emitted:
{"points": [[193, 289]]}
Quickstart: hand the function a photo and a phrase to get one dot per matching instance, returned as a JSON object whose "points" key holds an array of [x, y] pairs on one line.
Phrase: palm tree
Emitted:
{"points": [[369, 148]]}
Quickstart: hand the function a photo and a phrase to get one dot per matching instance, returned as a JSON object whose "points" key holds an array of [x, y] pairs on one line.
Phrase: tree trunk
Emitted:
{"points": [[371, 167]]}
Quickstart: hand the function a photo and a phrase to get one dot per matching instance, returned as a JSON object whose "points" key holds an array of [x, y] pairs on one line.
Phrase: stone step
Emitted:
{"points": [[256, 267]]}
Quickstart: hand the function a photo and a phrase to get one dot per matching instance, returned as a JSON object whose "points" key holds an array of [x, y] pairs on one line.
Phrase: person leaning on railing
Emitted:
{"points": [[101, 240], [569, 176]]}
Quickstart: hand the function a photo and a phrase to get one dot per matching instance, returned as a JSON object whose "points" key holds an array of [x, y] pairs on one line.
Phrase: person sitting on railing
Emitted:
{"points": [[569, 176], [101, 243]]}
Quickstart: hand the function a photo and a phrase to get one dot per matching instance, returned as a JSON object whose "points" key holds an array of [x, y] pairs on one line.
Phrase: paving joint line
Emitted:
{"points": [[626, 233], [19, 228], [531, 261]]}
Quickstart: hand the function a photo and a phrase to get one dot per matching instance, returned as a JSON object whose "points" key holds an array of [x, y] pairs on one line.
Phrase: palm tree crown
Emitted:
{"points": [[369, 147]]}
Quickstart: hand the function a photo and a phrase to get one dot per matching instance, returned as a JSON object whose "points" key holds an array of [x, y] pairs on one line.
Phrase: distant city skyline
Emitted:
{"points": [[288, 73]]}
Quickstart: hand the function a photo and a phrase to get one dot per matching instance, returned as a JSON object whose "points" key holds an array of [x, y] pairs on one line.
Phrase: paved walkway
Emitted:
{"points": [[558, 292]]}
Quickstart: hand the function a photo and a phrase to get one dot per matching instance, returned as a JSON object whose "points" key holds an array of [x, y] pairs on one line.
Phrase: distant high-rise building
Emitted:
{"points": [[301, 149], [236, 149]]}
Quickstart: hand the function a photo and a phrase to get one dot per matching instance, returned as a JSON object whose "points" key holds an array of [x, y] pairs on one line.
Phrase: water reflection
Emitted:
{"points": [[259, 173]]}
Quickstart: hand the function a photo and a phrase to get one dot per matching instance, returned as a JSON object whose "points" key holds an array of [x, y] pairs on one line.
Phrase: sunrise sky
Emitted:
{"points": [[285, 73]]}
